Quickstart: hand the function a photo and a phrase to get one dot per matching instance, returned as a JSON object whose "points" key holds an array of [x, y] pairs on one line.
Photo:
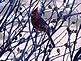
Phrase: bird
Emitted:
{"points": [[39, 24]]}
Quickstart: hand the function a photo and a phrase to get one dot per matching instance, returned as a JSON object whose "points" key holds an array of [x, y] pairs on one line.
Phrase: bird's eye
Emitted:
{"points": [[34, 14]]}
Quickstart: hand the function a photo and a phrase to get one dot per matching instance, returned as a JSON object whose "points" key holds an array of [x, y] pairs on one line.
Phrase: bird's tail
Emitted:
{"points": [[50, 39]]}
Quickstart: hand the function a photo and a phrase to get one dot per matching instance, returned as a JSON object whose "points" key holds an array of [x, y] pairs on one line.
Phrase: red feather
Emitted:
{"points": [[39, 23]]}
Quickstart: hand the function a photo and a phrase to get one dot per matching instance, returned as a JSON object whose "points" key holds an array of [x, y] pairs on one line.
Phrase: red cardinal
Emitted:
{"points": [[39, 23]]}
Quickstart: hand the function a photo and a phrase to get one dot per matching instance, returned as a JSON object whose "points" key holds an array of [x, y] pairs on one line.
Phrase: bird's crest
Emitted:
{"points": [[35, 11]]}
